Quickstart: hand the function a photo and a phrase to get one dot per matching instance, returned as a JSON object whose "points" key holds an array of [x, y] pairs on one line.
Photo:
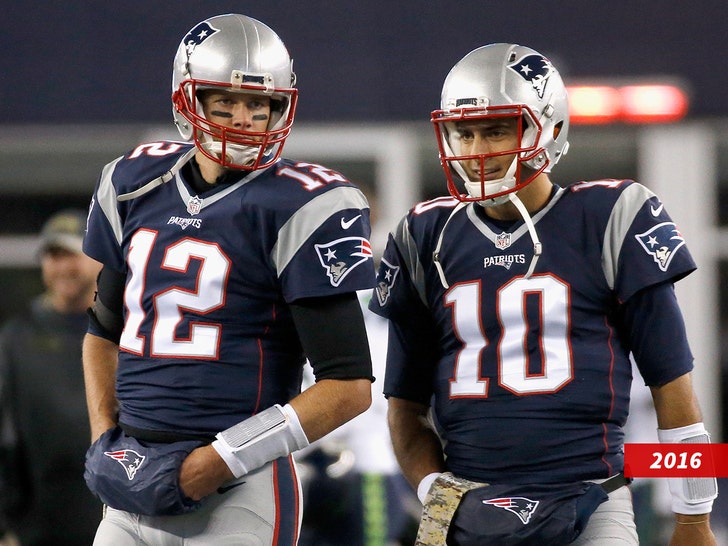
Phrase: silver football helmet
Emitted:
{"points": [[500, 80], [234, 53]]}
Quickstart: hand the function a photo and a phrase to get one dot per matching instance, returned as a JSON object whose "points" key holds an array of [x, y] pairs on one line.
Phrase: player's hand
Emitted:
{"points": [[202, 472], [693, 531]]}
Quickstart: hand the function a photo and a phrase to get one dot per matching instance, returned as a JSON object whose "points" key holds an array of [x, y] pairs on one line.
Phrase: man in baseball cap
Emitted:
{"points": [[44, 428], [64, 230]]}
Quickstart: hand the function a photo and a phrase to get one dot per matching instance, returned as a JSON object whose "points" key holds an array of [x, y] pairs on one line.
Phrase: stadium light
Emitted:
{"points": [[594, 104], [653, 103], [644, 102]]}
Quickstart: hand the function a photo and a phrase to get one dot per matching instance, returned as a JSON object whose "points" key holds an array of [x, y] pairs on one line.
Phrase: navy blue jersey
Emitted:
{"points": [[208, 337], [531, 376]]}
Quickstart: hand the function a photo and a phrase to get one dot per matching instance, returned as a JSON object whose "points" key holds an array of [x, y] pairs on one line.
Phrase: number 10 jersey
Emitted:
{"points": [[530, 375]]}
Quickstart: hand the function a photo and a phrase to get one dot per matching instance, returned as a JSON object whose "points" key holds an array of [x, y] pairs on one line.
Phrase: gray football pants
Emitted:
{"points": [[612, 523]]}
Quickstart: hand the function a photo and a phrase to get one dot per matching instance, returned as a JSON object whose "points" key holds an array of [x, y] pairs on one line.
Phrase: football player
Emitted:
{"points": [[43, 422], [224, 266], [514, 307]]}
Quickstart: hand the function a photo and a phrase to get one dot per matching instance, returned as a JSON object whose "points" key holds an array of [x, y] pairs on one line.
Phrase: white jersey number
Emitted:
{"points": [[513, 359], [170, 303]]}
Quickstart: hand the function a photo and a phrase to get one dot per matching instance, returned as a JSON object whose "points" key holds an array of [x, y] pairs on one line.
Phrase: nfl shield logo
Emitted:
{"points": [[194, 205], [503, 241]]}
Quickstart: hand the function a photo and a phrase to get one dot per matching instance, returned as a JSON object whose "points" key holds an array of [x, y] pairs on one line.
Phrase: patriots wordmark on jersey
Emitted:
{"points": [[208, 337], [537, 362]]}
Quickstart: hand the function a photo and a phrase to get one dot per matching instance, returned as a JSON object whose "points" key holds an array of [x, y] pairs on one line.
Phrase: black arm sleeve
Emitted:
{"points": [[333, 336], [106, 317], [412, 355]]}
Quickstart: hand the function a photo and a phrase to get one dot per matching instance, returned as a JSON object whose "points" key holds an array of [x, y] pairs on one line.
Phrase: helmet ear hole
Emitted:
{"points": [[278, 105], [557, 129]]}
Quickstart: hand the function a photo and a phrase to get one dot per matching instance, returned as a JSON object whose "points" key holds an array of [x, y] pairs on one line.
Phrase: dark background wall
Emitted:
{"points": [[90, 61]]}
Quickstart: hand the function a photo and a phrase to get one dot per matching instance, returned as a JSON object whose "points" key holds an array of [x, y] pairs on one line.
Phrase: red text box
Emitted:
{"points": [[676, 460]]}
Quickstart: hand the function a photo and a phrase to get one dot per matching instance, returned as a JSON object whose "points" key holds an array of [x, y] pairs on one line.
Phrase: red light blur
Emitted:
{"points": [[639, 103]]}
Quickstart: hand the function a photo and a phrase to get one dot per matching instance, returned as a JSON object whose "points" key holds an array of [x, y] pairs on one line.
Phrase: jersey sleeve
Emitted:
{"points": [[324, 248], [643, 245], [400, 288], [413, 348], [644, 254], [102, 241], [121, 182]]}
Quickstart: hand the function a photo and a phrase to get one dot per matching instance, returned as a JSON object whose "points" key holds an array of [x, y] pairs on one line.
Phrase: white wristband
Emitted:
{"points": [[272, 433], [690, 495], [424, 487]]}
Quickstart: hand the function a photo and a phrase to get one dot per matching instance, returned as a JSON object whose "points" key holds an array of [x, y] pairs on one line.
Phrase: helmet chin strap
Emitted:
{"points": [[537, 248], [436, 254], [503, 184], [156, 182], [531, 230], [474, 190]]}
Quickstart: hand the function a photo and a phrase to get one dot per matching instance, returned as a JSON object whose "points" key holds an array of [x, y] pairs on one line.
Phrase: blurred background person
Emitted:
{"points": [[44, 430]]}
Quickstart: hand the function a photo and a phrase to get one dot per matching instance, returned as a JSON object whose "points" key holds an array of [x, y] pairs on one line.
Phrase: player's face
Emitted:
{"points": [[240, 111], [488, 136]]}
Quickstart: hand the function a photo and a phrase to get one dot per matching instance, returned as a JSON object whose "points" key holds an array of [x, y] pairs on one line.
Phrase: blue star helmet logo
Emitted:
{"points": [[198, 35], [536, 70]]}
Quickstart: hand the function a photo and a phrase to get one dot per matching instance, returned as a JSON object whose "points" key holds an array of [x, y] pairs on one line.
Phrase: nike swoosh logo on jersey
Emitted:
{"points": [[656, 211], [346, 224], [225, 488]]}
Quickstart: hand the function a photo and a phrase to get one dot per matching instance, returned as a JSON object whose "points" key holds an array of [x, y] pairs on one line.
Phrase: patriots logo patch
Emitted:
{"points": [[521, 506], [661, 242], [198, 35], [129, 459], [340, 257], [536, 70], [385, 281]]}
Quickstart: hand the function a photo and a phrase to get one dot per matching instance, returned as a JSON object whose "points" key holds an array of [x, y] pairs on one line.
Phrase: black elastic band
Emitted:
{"points": [[615, 482]]}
